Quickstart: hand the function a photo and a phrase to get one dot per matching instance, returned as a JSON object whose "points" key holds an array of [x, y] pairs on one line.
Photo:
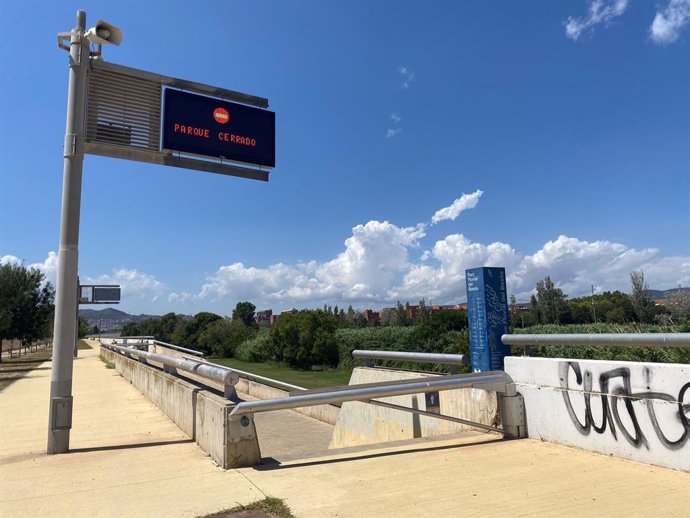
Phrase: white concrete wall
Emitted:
{"points": [[361, 423], [636, 411]]}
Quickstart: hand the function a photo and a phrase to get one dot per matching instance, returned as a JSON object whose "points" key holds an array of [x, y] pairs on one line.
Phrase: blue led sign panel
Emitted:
{"points": [[210, 127]]}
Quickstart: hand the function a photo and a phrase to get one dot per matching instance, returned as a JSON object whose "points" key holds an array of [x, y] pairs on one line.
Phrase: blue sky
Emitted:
{"points": [[414, 140]]}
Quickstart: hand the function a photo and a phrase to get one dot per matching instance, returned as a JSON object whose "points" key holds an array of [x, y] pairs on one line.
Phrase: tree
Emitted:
{"points": [[639, 296], [244, 312], [423, 312], [84, 327], [550, 303], [26, 303], [678, 303], [305, 339], [224, 335], [187, 333]]}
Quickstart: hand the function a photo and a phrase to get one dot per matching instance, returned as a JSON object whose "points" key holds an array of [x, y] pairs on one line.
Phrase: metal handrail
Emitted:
{"points": [[288, 387], [444, 359], [179, 348], [491, 380], [213, 372], [266, 381], [602, 339]]}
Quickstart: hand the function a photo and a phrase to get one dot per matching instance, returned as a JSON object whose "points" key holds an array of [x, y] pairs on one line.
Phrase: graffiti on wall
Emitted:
{"points": [[617, 398]]}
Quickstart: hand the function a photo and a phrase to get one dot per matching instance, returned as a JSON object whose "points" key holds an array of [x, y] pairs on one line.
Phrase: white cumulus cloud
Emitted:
{"points": [[382, 262], [466, 201], [668, 23], [48, 266], [599, 11]]}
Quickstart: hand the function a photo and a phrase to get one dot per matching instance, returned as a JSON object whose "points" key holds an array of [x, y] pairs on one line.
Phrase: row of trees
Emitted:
{"points": [[549, 305], [306, 338], [26, 304], [207, 332]]}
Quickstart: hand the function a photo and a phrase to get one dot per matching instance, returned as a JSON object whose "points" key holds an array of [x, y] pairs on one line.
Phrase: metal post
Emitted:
{"points": [[60, 420], [76, 328]]}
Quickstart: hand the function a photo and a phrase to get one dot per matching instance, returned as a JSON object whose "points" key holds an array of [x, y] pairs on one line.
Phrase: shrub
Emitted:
{"points": [[305, 339], [255, 350]]}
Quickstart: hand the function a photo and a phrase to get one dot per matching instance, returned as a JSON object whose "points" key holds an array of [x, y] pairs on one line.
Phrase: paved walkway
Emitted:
{"points": [[129, 460]]}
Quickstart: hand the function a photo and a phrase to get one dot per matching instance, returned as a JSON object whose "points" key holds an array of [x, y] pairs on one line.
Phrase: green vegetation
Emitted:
{"points": [[305, 339], [108, 363], [271, 507], [26, 304], [301, 378], [638, 354], [302, 342]]}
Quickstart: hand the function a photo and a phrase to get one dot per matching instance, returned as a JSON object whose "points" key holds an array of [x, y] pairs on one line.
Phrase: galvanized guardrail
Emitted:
{"points": [[453, 360], [216, 373], [498, 381], [288, 387], [602, 339], [179, 348]]}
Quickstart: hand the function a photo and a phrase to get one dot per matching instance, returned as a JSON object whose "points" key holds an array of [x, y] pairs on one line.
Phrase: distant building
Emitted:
{"points": [[370, 315], [263, 316]]}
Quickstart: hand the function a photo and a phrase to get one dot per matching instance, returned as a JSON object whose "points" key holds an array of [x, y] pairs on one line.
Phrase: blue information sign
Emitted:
{"points": [[487, 311], [210, 127]]}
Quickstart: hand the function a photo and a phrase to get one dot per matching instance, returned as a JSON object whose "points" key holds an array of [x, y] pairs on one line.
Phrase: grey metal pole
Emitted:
{"points": [[60, 420]]}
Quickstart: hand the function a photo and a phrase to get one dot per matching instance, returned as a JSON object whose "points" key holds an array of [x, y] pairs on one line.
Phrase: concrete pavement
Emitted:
{"points": [[128, 459]]}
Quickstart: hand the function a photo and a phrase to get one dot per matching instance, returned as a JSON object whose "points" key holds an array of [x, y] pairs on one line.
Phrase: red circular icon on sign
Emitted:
{"points": [[221, 115]]}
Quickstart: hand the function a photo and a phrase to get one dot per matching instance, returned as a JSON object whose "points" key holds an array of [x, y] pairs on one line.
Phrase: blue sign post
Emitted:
{"points": [[487, 311]]}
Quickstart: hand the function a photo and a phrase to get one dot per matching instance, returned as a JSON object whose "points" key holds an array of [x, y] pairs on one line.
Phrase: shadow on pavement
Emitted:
{"points": [[130, 446], [269, 463]]}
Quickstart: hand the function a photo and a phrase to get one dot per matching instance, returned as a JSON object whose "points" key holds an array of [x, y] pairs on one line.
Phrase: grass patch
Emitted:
{"points": [[13, 369], [108, 363], [267, 508], [306, 379]]}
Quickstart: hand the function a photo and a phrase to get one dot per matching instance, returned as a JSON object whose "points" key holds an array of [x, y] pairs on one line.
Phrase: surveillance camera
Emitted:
{"points": [[104, 32]]}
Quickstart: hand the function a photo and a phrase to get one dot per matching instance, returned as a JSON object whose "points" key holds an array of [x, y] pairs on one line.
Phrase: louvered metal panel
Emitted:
{"points": [[123, 118], [123, 110]]}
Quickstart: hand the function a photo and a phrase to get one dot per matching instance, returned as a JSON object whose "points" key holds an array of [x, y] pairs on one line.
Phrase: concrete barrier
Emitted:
{"points": [[361, 423], [636, 411], [325, 413], [204, 416]]}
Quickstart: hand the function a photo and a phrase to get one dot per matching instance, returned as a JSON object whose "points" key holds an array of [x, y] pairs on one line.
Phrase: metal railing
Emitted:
{"points": [[602, 339], [267, 381], [178, 348], [228, 377], [288, 387], [149, 340], [453, 360], [497, 381]]}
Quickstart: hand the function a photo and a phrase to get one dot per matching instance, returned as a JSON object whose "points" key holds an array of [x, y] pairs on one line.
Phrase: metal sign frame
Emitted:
{"points": [[95, 288], [152, 153]]}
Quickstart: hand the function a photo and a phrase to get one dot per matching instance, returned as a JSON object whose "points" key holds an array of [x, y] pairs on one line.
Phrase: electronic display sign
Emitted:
{"points": [[221, 129], [487, 312]]}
